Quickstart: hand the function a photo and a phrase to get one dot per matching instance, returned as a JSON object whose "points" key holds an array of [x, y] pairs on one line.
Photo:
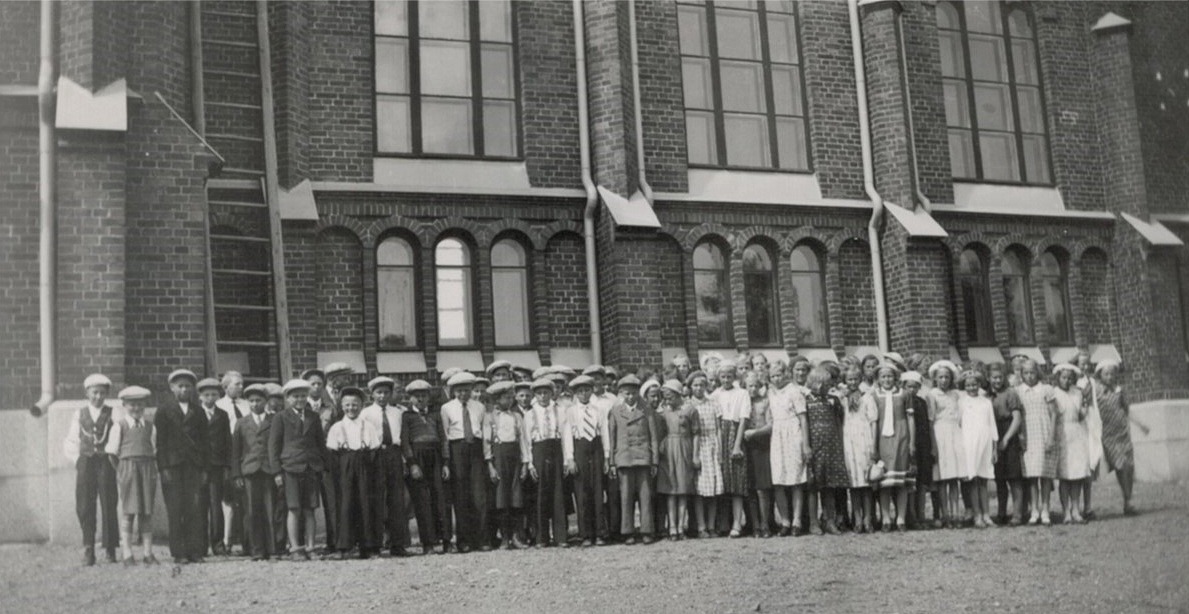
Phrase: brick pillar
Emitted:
{"points": [[609, 88], [886, 105], [542, 329], [834, 316], [93, 49], [301, 283], [791, 331], [290, 39]]}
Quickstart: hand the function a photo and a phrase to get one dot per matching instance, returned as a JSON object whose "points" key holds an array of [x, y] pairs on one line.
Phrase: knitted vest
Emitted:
{"points": [[136, 442]]}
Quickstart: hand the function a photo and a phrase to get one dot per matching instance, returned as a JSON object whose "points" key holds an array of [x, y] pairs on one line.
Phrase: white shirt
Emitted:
{"points": [[374, 416], [452, 419], [573, 418], [185, 408], [543, 422], [70, 447], [348, 434], [210, 412], [735, 403], [226, 404]]}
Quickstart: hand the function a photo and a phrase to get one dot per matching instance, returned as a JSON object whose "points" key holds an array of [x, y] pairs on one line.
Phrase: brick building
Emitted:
{"points": [[424, 163]]}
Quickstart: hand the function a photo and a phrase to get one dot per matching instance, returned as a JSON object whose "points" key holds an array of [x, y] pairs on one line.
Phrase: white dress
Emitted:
{"points": [[947, 428], [1074, 462], [787, 449], [979, 436]]}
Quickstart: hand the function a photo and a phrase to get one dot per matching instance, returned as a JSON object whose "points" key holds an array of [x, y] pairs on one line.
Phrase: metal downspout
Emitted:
{"points": [[47, 248]]}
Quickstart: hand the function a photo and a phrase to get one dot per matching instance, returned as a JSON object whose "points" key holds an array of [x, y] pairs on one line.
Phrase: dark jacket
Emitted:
{"points": [[296, 444], [633, 436], [219, 437], [249, 447], [182, 439]]}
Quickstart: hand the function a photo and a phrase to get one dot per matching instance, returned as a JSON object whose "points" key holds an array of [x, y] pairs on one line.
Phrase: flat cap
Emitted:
{"points": [[97, 379], [497, 365], [274, 390], [499, 388], [594, 370], [134, 393], [178, 373], [581, 380], [337, 368], [418, 385], [542, 383], [308, 373], [462, 378], [295, 385], [628, 380], [449, 373], [208, 382], [260, 389], [381, 381], [352, 390]]}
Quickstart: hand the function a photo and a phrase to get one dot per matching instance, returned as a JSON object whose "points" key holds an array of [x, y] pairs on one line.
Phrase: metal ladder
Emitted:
{"points": [[247, 311]]}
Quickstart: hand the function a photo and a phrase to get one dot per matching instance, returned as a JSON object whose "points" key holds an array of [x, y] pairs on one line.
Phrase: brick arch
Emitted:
{"points": [[744, 237], [1006, 241], [799, 234], [838, 238], [328, 222], [696, 234], [673, 232], [957, 243], [536, 238], [383, 226], [1043, 245], [557, 227], [1081, 246], [478, 233]]}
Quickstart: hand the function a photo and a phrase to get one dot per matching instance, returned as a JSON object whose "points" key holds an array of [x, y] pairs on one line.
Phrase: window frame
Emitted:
{"points": [[529, 328], [724, 284], [418, 321], [769, 95], [1005, 11], [1025, 261], [475, 43], [1066, 336], [473, 289], [984, 306], [773, 281], [819, 255]]}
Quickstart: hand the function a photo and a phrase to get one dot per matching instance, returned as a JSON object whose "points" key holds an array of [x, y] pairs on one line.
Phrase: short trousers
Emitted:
{"points": [[303, 490]]}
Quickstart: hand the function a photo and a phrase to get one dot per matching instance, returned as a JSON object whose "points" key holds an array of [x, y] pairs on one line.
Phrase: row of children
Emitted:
{"points": [[784, 443]]}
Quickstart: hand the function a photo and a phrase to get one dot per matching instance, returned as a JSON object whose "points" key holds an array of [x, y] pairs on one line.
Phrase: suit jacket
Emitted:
{"points": [[182, 439], [633, 436], [296, 444], [219, 437], [249, 447]]}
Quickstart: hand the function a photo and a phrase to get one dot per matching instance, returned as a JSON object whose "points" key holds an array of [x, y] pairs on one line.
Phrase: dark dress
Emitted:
{"points": [[827, 466], [759, 448], [1116, 426], [924, 441], [676, 474], [1011, 460]]}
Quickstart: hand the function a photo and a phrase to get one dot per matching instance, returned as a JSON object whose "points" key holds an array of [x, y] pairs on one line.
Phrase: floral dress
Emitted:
{"points": [[858, 443], [827, 466], [1116, 428], [1040, 460], [787, 453], [710, 475]]}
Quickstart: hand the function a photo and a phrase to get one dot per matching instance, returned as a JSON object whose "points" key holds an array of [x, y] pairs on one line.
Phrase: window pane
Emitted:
{"points": [[1018, 24], [1013, 265], [747, 140], [957, 103], [507, 253], [947, 16], [756, 260], [695, 76], [452, 292], [952, 62], [742, 86], [988, 60], [397, 297], [495, 20], [446, 126], [1050, 267], [779, 6], [738, 34], [1023, 56], [445, 68], [451, 252], [994, 106], [975, 299], [444, 19], [453, 328], [510, 289], [392, 124], [499, 128], [498, 77], [804, 259], [392, 65], [394, 252], [962, 154], [786, 90], [713, 323], [1036, 159], [761, 308], [700, 138], [811, 308], [983, 16], [999, 156], [790, 142], [1031, 110], [1056, 317], [782, 38], [708, 256], [392, 17], [1019, 325], [692, 23]]}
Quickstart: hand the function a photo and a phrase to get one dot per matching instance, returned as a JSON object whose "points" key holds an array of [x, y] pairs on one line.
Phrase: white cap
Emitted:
{"points": [[96, 379], [295, 384]]}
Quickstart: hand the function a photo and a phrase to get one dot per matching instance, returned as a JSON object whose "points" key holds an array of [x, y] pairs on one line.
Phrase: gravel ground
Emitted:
{"points": [[1115, 564]]}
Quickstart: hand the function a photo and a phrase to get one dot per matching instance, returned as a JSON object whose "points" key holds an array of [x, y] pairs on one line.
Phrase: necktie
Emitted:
{"points": [[889, 429], [548, 434], [387, 428], [468, 431], [588, 423]]}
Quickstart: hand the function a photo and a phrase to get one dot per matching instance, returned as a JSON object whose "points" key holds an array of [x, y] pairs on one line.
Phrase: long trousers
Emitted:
{"points": [[355, 503], [97, 479], [213, 500], [468, 472], [259, 494], [588, 488], [428, 495], [183, 487], [550, 510], [635, 486], [389, 499]]}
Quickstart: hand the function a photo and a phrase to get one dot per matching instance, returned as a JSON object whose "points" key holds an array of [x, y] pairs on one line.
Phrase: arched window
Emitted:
{"points": [[712, 295], [396, 290], [509, 286], [809, 283], [452, 263], [976, 298], [1017, 297], [1054, 277], [994, 106], [759, 292]]}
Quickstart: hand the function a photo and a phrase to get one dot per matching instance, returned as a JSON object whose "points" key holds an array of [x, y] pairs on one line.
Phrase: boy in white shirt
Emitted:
{"points": [[354, 442]]}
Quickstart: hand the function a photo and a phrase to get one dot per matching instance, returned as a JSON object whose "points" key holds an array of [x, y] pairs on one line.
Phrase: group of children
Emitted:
{"points": [[501, 459]]}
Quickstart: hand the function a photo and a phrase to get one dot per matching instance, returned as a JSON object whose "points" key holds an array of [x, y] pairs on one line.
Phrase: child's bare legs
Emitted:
{"points": [[1073, 512], [1126, 479], [1046, 493], [736, 515], [682, 515], [1017, 500], [985, 501], [293, 527], [885, 506], [228, 517], [971, 488], [126, 535], [829, 512], [1086, 498], [953, 502], [146, 536], [671, 508], [1063, 491], [796, 494], [310, 526], [858, 503], [706, 509], [764, 501], [781, 496], [811, 495], [901, 507]]}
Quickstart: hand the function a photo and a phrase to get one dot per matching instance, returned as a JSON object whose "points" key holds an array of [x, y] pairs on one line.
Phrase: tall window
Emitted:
{"points": [[809, 283], [759, 290], [1017, 297], [711, 295], [452, 262], [993, 102], [744, 95], [976, 298], [1054, 276], [509, 283], [446, 78], [396, 285]]}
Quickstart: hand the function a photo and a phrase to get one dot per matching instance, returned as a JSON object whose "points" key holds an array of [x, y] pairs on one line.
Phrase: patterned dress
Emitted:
{"points": [[1074, 463], [676, 475], [947, 430], [827, 467], [736, 407], [858, 444], [1040, 461], [710, 475], [787, 455], [894, 449], [1116, 427]]}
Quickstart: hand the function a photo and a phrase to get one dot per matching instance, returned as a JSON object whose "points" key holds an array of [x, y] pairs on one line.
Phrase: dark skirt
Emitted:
{"points": [[506, 457], [1010, 465], [734, 470], [136, 480], [759, 453]]}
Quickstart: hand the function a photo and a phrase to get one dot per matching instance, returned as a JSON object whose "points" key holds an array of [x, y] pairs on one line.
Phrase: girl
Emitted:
{"points": [[859, 446], [678, 449], [1040, 439], [1116, 432], [735, 404], [870, 367], [923, 441], [707, 460], [979, 436], [759, 366], [1073, 468], [893, 432], [1009, 467], [947, 433], [133, 441], [827, 465], [758, 438], [789, 441]]}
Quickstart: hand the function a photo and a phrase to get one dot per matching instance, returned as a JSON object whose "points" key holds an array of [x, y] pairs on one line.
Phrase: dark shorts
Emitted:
{"points": [[303, 490]]}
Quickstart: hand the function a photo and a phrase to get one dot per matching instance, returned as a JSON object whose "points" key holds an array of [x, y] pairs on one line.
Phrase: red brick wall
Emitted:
{"points": [[20, 352], [289, 38], [858, 296], [565, 276], [661, 96], [1170, 364], [340, 290], [1157, 46], [549, 92], [1097, 297], [19, 47], [301, 282], [340, 91]]}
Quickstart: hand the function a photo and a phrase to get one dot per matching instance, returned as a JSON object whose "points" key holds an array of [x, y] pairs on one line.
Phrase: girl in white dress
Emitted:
{"points": [[947, 430], [979, 436], [1073, 467], [786, 404], [1041, 440]]}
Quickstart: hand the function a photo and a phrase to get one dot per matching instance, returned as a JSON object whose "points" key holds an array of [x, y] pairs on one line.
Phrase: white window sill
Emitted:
{"points": [[757, 187]]}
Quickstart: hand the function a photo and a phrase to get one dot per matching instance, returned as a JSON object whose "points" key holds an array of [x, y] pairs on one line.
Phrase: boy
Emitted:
{"points": [[232, 402], [543, 425], [133, 441], [509, 460], [86, 438], [633, 452], [354, 442], [499, 371], [183, 455], [253, 474], [275, 404], [584, 429], [296, 446], [605, 399], [462, 422], [388, 494], [423, 431], [219, 459], [322, 403], [526, 529]]}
